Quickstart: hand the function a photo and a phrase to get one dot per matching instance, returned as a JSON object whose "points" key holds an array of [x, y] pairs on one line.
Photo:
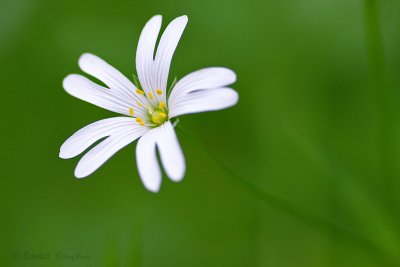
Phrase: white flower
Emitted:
{"points": [[148, 110]]}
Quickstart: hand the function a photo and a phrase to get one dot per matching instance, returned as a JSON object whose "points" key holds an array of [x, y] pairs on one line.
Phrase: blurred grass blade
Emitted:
{"points": [[384, 105], [293, 209]]}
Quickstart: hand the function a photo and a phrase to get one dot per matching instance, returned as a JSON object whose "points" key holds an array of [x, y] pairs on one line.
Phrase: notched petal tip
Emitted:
{"points": [[87, 55], [80, 172], [86, 60], [235, 96], [183, 18], [156, 19], [233, 75], [62, 154], [177, 177], [153, 185], [80, 175], [153, 189], [66, 151], [69, 82], [180, 21]]}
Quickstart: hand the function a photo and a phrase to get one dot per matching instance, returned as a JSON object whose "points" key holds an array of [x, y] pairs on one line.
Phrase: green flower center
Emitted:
{"points": [[157, 113], [159, 116]]}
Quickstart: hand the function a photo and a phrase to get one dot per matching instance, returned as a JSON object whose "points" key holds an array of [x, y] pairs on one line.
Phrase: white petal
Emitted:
{"points": [[164, 138], [147, 164], [204, 100], [84, 89], [98, 155], [88, 135], [165, 51], [207, 78], [106, 73], [171, 153], [145, 52]]}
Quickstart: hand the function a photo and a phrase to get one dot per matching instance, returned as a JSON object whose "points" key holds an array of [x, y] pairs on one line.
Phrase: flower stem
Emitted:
{"points": [[291, 208]]}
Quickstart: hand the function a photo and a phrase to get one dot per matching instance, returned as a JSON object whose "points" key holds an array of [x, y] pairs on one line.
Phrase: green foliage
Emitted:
{"points": [[307, 169]]}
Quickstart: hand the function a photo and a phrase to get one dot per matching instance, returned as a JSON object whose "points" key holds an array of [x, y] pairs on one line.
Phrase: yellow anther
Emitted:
{"points": [[131, 111], [141, 123], [159, 92], [139, 104], [150, 95], [159, 117], [161, 105], [140, 92], [139, 119]]}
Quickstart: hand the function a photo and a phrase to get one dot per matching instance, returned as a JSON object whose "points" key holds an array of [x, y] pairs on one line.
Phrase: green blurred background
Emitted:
{"points": [[316, 129]]}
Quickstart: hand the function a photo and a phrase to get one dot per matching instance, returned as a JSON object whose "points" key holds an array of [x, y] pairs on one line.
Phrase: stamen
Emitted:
{"points": [[161, 105], [131, 111], [149, 109], [140, 92], [139, 104], [139, 120], [150, 95], [159, 92], [159, 117], [141, 123]]}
